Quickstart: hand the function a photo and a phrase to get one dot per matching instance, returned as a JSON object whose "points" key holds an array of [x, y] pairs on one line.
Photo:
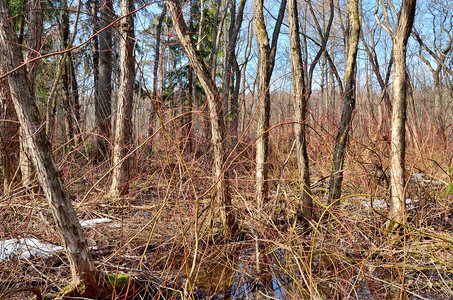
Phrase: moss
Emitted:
{"points": [[117, 280]]}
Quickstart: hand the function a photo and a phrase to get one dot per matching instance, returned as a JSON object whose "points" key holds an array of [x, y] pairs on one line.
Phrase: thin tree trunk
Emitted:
{"points": [[123, 123], [235, 26], [266, 60], [9, 143], [34, 35], [103, 104], [70, 89], [300, 103], [235, 102], [399, 96], [157, 62], [84, 274], [223, 197], [95, 54], [248, 50], [349, 101]]}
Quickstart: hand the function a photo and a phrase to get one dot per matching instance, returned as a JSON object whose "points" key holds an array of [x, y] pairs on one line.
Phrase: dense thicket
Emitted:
{"points": [[207, 124]]}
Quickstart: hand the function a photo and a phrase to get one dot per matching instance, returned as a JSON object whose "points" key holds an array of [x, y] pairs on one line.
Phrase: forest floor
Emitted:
{"points": [[151, 234]]}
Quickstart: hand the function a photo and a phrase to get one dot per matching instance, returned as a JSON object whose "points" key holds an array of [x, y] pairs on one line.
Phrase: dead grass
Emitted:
{"points": [[345, 254]]}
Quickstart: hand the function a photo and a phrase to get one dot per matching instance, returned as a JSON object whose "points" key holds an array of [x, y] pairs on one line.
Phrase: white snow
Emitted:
{"points": [[93, 222], [382, 203], [26, 248], [31, 247], [420, 177]]}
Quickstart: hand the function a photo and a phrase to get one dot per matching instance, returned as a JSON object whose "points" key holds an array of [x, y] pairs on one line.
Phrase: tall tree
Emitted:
{"points": [[266, 61], [349, 100], [34, 36], [302, 83], [223, 197], [231, 99], [70, 88], [400, 36], [300, 103], [157, 62], [103, 94], [9, 140], [84, 274], [123, 123]]}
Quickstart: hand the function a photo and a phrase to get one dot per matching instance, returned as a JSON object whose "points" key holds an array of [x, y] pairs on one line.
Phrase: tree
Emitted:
{"points": [[302, 82], [34, 35], [384, 105], [349, 100], [300, 109], [266, 61], [69, 81], [85, 278], [157, 62], [9, 140], [231, 99], [223, 197], [400, 36], [439, 45], [123, 122], [103, 93]]}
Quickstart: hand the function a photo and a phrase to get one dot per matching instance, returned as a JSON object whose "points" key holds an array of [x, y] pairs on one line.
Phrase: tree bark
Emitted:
{"points": [[266, 60], [223, 197], [84, 274], [103, 102], [70, 89], [94, 45], [399, 96], [123, 123], [235, 102], [235, 26], [34, 35], [349, 101], [157, 62], [10, 145], [300, 103]]}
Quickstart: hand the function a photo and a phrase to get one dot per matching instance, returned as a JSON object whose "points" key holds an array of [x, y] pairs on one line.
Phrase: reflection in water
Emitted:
{"points": [[282, 280]]}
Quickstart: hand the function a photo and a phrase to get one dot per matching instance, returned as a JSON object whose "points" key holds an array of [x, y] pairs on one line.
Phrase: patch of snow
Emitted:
{"points": [[420, 177], [26, 248], [377, 203], [382, 203], [93, 222]]}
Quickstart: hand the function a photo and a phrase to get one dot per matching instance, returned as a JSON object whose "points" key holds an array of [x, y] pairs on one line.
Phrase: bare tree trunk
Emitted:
{"points": [[70, 89], [84, 274], [9, 141], [300, 103], [349, 101], [95, 56], [235, 26], [223, 197], [266, 60], [123, 123], [216, 32], [235, 102], [103, 104], [248, 50], [157, 62], [34, 35], [398, 132]]}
